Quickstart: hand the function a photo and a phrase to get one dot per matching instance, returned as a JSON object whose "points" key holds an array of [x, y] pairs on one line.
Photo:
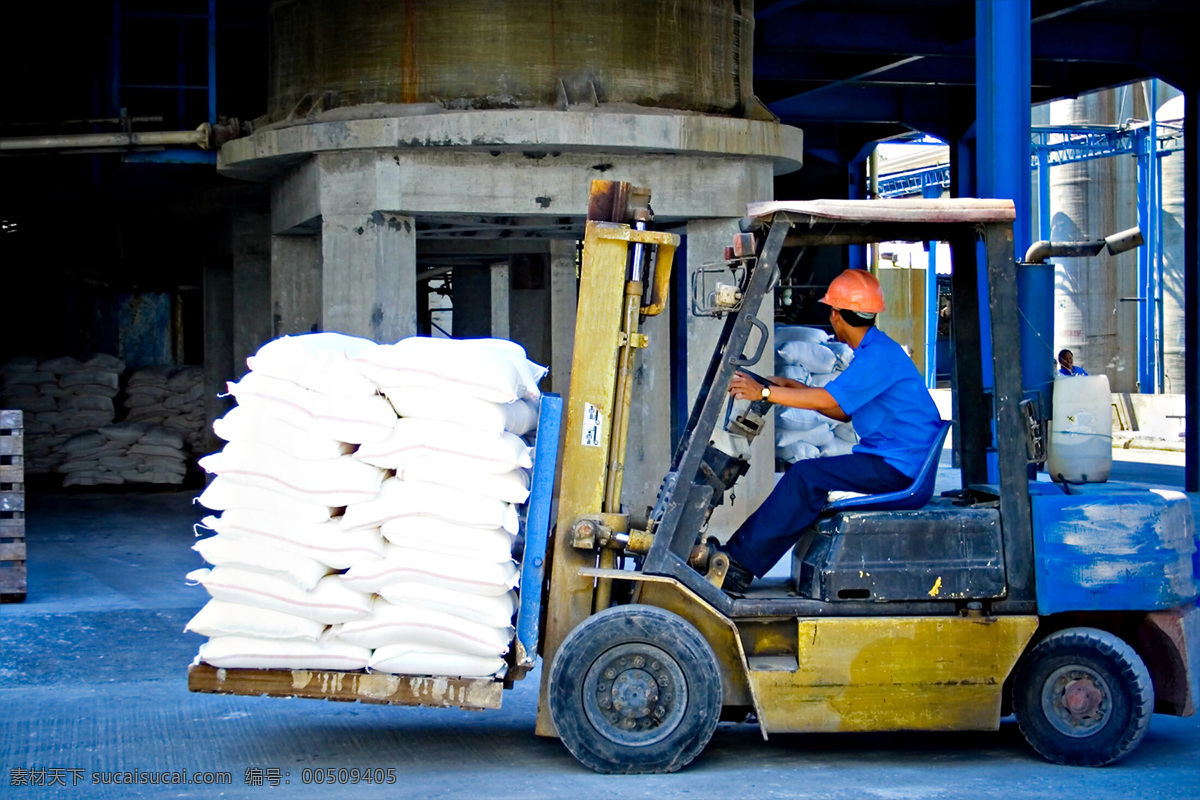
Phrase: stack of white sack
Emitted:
{"points": [[283, 480], [409, 573], [125, 452], [169, 398], [445, 585], [61, 397], [809, 356]]}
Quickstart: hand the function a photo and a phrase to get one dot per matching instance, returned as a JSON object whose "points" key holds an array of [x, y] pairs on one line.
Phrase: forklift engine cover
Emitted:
{"points": [[936, 553]]}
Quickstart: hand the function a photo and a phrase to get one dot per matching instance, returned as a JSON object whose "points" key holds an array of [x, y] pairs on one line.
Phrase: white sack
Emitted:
{"points": [[321, 541], [330, 603], [843, 352], [498, 373], [224, 494], [123, 432], [797, 451], [448, 445], [796, 373], [398, 499], [316, 361], [460, 574], [332, 482], [403, 659], [243, 652], [347, 419], [816, 358], [495, 610], [845, 432], [518, 417], [799, 419], [229, 551], [798, 333], [511, 487], [838, 447], [89, 377], [219, 618], [820, 381], [818, 436], [438, 536], [421, 627], [241, 424]]}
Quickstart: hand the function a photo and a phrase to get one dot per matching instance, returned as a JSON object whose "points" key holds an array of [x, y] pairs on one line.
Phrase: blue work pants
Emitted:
{"points": [[797, 500]]}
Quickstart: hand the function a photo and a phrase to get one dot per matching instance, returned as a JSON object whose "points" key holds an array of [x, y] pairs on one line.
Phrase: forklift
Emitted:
{"points": [[1072, 606]]}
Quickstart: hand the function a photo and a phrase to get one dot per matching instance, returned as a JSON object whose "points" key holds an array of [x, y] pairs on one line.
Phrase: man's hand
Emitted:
{"points": [[743, 387]]}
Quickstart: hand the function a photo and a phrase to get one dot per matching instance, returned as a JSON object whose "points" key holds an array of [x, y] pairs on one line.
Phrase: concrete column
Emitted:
{"points": [[564, 291], [501, 284], [251, 240], [295, 285], [368, 275], [706, 241], [219, 365]]}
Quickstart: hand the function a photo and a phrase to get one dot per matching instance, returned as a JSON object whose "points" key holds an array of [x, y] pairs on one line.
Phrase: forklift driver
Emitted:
{"points": [[894, 417]]}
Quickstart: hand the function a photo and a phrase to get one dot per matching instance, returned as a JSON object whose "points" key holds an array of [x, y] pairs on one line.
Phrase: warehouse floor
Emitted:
{"points": [[92, 681]]}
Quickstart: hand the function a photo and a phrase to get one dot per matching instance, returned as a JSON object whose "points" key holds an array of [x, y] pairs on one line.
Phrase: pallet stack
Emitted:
{"points": [[12, 507]]}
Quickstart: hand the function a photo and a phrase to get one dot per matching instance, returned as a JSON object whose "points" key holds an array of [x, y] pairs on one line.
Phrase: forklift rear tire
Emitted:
{"points": [[1083, 697], [635, 689]]}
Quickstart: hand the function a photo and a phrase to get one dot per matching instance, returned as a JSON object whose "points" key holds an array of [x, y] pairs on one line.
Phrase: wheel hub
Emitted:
{"points": [[1077, 701], [1082, 698], [635, 694]]}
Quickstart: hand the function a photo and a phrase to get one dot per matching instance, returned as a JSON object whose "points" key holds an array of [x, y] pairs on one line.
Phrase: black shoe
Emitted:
{"points": [[737, 577]]}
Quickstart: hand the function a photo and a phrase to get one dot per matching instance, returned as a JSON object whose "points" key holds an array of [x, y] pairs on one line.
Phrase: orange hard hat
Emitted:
{"points": [[855, 290]]}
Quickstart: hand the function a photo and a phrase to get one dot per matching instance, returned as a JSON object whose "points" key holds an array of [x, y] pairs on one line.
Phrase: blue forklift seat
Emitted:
{"points": [[916, 495]]}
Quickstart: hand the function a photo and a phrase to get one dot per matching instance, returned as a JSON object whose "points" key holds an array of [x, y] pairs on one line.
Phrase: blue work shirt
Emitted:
{"points": [[893, 414]]}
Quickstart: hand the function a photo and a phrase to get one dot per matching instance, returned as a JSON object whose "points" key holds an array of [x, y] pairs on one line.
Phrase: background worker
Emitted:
{"points": [[1066, 364], [893, 414]]}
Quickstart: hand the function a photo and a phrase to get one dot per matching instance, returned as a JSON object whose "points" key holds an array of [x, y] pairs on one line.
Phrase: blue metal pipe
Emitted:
{"points": [[212, 62], [1191, 287], [1144, 258], [931, 191]]}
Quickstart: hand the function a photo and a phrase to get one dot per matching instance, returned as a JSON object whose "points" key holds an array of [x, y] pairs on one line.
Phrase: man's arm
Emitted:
{"points": [[796, 395]]}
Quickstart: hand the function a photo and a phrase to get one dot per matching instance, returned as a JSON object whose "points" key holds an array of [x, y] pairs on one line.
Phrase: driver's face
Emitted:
{"points": [[1066, 360]]}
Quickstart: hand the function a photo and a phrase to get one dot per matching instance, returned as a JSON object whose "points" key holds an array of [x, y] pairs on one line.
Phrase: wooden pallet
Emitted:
{"points": [[12, 507], [475, 694]]}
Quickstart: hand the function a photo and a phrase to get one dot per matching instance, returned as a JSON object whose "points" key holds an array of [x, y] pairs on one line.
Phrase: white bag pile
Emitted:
{"points": [[169, 398], [125, 452], [809, 356], [61, 397], [377, 529]]}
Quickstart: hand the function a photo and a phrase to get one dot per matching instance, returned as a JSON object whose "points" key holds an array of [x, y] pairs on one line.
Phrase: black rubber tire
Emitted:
{"points": [[642, 667], [1111, 683]]}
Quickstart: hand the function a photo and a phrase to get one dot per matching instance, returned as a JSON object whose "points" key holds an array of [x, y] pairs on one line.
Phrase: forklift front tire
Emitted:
{"points": [[1083, 697], [635, 689]]}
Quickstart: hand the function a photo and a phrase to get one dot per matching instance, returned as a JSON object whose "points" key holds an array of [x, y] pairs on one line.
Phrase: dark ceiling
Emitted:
{"points": [[853, 71]]}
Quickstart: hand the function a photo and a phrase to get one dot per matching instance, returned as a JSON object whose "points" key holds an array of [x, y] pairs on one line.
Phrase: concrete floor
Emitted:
{"points": [[92, 678]]}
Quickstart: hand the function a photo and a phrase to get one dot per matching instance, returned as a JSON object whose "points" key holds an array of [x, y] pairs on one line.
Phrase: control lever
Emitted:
{"points": [[750, 422]]}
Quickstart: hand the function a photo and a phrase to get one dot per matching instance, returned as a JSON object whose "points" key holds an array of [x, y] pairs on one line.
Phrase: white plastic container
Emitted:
{"points": [[1080, 445]]}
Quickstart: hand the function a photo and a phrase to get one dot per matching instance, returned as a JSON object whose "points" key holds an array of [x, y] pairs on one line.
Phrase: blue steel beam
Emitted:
{"points": [[1002, 65], [1191, 287], [1052, 147]]}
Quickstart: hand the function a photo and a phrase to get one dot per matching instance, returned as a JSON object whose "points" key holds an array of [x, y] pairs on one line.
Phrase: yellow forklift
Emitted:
{"points": [[903, 611]]}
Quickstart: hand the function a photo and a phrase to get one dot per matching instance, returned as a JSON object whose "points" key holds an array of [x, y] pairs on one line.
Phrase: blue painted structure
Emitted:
{"points": [[1002, 110], [180, 87], [1060, 145], [1112, 547], [537, 524]]}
